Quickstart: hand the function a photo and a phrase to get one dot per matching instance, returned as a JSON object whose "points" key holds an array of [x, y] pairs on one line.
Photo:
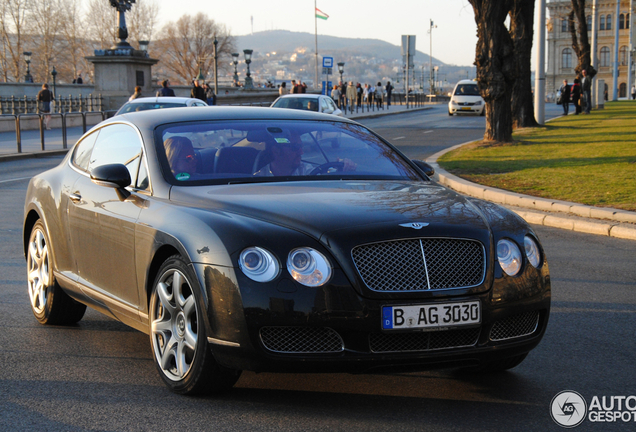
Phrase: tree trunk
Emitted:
{"points": [[580, 39], [521, 30], [496, 70]]}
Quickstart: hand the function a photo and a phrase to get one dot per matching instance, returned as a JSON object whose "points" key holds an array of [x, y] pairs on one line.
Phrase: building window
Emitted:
{"points": [[602, 26], [608, 22], [605, 57], [622, 90], [622, 55], [564, 26], [627, 21], [566, 58], [589, 22], [621, 22]]}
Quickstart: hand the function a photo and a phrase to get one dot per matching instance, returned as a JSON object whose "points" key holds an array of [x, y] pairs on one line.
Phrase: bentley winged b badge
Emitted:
{"points": [[414, 225]]}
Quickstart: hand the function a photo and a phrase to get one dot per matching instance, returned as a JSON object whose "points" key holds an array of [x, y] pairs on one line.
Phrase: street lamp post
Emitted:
{"points": [[235, 57], [27, 58], [248, 78], [341, 69], [54, 74], [216, 67], [430, 57], [200, 77]]}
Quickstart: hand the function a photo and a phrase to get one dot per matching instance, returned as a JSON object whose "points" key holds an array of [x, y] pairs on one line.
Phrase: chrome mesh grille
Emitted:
{"points": [[515, 326], [301, 339], [420, 264], [423, 341]]}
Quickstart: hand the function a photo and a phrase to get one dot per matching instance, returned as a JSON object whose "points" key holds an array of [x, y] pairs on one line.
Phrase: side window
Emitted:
{"points": [[83, 151], [118, 143], [143, 182]]}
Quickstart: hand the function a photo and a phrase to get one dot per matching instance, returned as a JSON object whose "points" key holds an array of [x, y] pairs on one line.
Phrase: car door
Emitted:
{"points": [[325, 107], [102, 224]]}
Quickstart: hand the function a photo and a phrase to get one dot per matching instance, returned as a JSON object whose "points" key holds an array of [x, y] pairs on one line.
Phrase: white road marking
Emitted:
{"points": [[428, 131], [398, 138], [14, 180]]}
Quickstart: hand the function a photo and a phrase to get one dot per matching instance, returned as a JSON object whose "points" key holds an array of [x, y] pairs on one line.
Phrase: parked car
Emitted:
{"points": [[152, 103], [466, 99], [278, 240], [308, 102]]}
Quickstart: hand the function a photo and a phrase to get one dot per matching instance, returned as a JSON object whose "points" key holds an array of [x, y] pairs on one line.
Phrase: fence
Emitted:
{"points": [[29, 105]]}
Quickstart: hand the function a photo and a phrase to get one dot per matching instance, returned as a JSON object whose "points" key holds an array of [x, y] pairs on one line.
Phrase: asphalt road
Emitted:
{"points": [[100, 376]]}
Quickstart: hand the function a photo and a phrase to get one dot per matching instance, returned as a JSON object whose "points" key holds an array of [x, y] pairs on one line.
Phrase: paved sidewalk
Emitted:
{"points": [[553, 213]]}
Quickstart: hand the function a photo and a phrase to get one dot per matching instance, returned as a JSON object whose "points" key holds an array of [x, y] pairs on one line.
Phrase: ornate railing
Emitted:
{"points": [[62, 104]]}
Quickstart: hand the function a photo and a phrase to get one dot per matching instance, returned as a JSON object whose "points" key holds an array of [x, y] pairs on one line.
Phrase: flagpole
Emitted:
{"points": [[316, 35]]}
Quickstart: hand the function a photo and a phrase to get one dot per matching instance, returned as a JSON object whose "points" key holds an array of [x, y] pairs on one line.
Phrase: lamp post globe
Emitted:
{"points": [[341, 69], [249, 84], [27, 58], [235, 60]]}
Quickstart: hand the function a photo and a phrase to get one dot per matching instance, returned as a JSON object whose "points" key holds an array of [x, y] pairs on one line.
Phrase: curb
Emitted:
{"points": [[541, 211], [40, 154]]}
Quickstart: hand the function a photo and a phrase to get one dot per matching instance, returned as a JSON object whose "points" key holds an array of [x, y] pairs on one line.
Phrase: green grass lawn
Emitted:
{"points": [[588, 159]]}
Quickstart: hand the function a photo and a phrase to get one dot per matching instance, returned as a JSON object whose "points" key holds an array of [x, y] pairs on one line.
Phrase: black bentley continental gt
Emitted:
{"points": [[278, 240]]}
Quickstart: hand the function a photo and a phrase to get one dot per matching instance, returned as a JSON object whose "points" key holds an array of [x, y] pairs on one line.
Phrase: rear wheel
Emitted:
{"points": [[49, 303], [178, 336]]}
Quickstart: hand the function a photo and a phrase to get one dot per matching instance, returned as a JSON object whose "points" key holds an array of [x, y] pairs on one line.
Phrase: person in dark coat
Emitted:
{"points": [[575, 95], [165, 90], [197, 91], [565, 97], [389, 90], [44, 104]]}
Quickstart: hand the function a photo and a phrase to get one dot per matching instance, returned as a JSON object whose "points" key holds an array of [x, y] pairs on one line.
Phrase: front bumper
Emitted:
{"points": [[260, 327], [466, 109]]}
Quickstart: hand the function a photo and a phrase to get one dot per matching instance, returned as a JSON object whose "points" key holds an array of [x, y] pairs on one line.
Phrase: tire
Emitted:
{"points": [[178, 336], [49, 303], [450, 113], [483, 112]]}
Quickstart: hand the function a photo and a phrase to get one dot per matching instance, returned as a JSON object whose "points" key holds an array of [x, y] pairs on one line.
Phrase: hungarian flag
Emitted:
{"points": [[320, 14]]}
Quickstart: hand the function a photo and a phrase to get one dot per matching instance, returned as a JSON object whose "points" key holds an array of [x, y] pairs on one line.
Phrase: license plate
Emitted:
{"points": [[431, 316], [466, 109]]}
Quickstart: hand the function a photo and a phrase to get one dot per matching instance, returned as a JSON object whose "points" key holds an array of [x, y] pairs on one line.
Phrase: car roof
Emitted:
{"points": [[300, 96], [466, 81], [162, 99], [152, 118]]}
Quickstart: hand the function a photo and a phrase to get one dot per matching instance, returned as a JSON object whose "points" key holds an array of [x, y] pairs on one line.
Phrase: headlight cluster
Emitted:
{"points": [[306, 265], [478, 103], [509, 255], [453, 102]]}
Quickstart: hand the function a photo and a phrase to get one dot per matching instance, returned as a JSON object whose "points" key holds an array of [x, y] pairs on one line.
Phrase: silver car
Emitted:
{"points": [[151, 103], [308, 102]]}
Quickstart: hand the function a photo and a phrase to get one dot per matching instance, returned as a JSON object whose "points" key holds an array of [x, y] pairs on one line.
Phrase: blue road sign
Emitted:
{"points": [[327, 62]]}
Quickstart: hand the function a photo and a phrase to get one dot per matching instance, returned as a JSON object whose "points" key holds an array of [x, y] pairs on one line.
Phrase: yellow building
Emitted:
{"points": [[561, 56]]}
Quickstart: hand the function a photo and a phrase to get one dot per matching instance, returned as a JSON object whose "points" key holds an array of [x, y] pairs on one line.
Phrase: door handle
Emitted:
{"points": [[75, 197]]}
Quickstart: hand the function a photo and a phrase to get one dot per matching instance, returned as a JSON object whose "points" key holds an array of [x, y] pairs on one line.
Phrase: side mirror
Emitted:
{"points": [[113, 176], [426, 168]]}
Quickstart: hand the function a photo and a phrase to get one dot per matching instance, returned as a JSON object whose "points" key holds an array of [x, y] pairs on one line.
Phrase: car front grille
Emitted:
{"points": [[420, 264], [423, 341], [515, 326], [301, 339]]}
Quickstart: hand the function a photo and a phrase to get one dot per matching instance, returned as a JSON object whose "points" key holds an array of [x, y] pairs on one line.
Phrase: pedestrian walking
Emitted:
{"points": [[575, 96], [210, 96], [352, 95], [565, 97], [44, 104], [365, 94], [303, 88], [586, 91], [165, 90], [371, 95], [136, 94], [294, 87], [359, 91], [378, 96], [389, 90], [335, 95], [282, 90], [633, 92], [197, 91]]}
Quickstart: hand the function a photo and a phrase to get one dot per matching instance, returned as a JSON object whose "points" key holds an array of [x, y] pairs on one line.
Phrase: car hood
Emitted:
{"points": [[364, 210]]}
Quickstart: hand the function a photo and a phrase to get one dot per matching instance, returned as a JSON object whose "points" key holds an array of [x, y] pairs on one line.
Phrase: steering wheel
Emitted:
{"points": [[324, 168]]}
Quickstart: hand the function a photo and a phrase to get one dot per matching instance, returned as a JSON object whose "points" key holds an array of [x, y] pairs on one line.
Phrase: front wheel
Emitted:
{"points": [[178, 336], [49, 303]]}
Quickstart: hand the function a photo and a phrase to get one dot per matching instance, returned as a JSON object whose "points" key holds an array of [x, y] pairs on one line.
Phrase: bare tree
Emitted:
{"points": [[580, 39], [74, 43], [44, 23], [521, 31], [100, 22], [496, 71], [188, 43], [13, 17], [142, 21]]}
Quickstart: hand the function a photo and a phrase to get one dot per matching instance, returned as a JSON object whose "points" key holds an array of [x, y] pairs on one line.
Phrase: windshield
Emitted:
{"points": [[467, 90], [135, 107], [297, 103], [276, 150]]}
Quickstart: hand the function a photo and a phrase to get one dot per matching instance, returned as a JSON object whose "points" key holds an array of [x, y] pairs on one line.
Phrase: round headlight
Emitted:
{"points": [[309, 267], [258, 264], [509, 257], [532, 251]]}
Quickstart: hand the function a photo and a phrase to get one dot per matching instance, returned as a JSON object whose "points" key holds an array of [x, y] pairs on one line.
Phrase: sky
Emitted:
{"points": [[453, 42]]}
